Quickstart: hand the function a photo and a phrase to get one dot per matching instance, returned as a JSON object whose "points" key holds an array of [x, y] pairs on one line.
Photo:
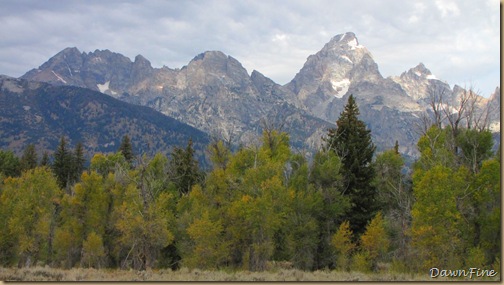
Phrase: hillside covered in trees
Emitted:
{"points": [[348, 209]]}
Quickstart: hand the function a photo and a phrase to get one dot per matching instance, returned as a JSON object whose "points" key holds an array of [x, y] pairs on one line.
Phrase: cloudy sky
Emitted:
{"points": [[458, 40]]}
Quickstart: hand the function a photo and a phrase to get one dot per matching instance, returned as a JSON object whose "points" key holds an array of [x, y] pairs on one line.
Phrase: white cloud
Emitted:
{"points": [[417, 12], [447, 8], [280, 37]]}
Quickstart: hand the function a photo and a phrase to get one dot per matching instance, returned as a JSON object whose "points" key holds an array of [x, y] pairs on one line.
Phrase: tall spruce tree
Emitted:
{"points": [[62, 165], [44, 161], [127, 149], [351, 141], [29, 158], [78, 162], [183, 169]]}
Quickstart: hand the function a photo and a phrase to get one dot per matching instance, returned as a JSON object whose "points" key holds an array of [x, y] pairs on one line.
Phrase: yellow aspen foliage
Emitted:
{"points": [[342, 243], [106, 163], [83, 212], [361, 261], [375, 240], [93, 251], [66, 243], [475, 257], [142, 231], [91, 202], [275, 145], [218, 188], [209, 248], [29, 204], [436, 218], [254, 220], [219, 154]]}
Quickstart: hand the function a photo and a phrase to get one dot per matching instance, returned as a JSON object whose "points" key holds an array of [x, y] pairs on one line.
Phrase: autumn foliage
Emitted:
{"points": [[256, 206]]}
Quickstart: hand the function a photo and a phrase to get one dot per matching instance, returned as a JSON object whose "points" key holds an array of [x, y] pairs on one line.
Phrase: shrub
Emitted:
{"points": [[361, 261]]}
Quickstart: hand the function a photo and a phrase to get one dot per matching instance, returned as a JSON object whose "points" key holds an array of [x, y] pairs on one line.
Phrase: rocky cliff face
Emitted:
{"points": [[215, 93]]}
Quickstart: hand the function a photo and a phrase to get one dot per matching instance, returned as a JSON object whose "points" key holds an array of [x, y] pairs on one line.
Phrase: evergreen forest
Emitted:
{"points": [[347, 208]]}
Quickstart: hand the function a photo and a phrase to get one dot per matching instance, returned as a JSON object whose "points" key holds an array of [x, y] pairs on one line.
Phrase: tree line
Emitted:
{"points": [[347, 209]]}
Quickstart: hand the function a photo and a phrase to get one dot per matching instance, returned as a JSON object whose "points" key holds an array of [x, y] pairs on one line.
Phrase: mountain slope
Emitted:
{"points": [[39, 113]]}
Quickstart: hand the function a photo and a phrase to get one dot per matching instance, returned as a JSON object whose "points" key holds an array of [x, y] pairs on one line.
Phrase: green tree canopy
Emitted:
{"points": [[28, 205], [9, 164]]}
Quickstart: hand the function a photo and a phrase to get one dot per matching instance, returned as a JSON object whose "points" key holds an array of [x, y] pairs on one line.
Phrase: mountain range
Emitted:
{"points": [[215, 94]]}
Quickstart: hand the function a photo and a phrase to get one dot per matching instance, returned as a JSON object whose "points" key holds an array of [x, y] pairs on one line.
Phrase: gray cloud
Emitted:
{"points": [[457, 40]]}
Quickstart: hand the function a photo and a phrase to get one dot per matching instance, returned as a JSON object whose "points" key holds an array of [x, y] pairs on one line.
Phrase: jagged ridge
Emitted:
{"points": [[215, 93]]}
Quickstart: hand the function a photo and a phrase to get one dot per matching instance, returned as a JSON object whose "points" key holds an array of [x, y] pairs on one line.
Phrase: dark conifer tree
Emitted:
{"points": [[183, 168], [29, 158], [127, 149], [62, 165], [78, 162], [351, 141], [9, 164], [45, 159]]}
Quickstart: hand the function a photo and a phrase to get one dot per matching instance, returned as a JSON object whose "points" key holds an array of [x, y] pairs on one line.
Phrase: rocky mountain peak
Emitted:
{"points": [[345, 41], [214, 58], [215, 63], [419, 71], [141, 69], [210, 55], [69, 52], [106, 58], [60, 68], [330, 72], [496, 95], [495, 99], [140, 60], [419, 81]]}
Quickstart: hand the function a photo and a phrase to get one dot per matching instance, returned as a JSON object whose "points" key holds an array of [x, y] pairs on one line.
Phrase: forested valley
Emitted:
{"points": [[348, 208]]}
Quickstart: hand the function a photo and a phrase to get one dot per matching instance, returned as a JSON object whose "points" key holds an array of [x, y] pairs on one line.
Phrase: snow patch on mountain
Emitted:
{"points": [[341, 87], [59, 77], [346, 58], [354, 45], [407, 106], [103, 87]]}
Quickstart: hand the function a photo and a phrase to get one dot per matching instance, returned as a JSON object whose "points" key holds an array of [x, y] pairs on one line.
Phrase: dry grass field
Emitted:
{"points": [[184, 274]]}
